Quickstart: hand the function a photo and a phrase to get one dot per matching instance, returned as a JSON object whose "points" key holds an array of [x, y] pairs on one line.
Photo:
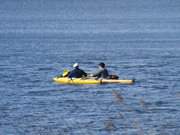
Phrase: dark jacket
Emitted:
{"points": [[77, 73], [103, 73]]}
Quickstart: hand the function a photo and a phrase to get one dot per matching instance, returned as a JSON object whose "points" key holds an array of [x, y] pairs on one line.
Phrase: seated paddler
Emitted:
{"points": [[102, 72], [77, 72]]}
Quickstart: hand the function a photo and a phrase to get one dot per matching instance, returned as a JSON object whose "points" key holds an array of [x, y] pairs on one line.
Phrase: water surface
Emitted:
{"points": [[136, 40]]}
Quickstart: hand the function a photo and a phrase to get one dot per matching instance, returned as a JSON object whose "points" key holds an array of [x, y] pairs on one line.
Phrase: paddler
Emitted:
{"points": [[102, 71], [77, 72]]}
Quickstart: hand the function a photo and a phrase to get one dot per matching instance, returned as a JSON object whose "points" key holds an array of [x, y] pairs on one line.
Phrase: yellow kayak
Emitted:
{"points": [[65, 80]]}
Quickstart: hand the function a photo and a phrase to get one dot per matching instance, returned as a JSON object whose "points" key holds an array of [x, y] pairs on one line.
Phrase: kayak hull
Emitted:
{"points": [[65, 80]]}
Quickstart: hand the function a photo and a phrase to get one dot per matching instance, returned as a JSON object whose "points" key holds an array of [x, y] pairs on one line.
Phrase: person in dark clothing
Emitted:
{"points": [[77, 72], [102, 72]]}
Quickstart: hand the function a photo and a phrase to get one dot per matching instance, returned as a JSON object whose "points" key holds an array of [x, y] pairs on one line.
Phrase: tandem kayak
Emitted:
{"points": [[65, 80]]}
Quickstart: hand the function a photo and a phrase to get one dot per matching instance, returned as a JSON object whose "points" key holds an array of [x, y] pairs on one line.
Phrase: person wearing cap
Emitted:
{"points": [[77, 72], [102, 72]]}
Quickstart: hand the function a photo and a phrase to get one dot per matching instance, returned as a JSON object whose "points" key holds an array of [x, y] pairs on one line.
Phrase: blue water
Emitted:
{"points": [[136, 39]]}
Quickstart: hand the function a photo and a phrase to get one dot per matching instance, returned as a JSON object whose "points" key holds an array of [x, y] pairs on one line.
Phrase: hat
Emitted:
{"points": [[75, 65], [102, 65]]}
